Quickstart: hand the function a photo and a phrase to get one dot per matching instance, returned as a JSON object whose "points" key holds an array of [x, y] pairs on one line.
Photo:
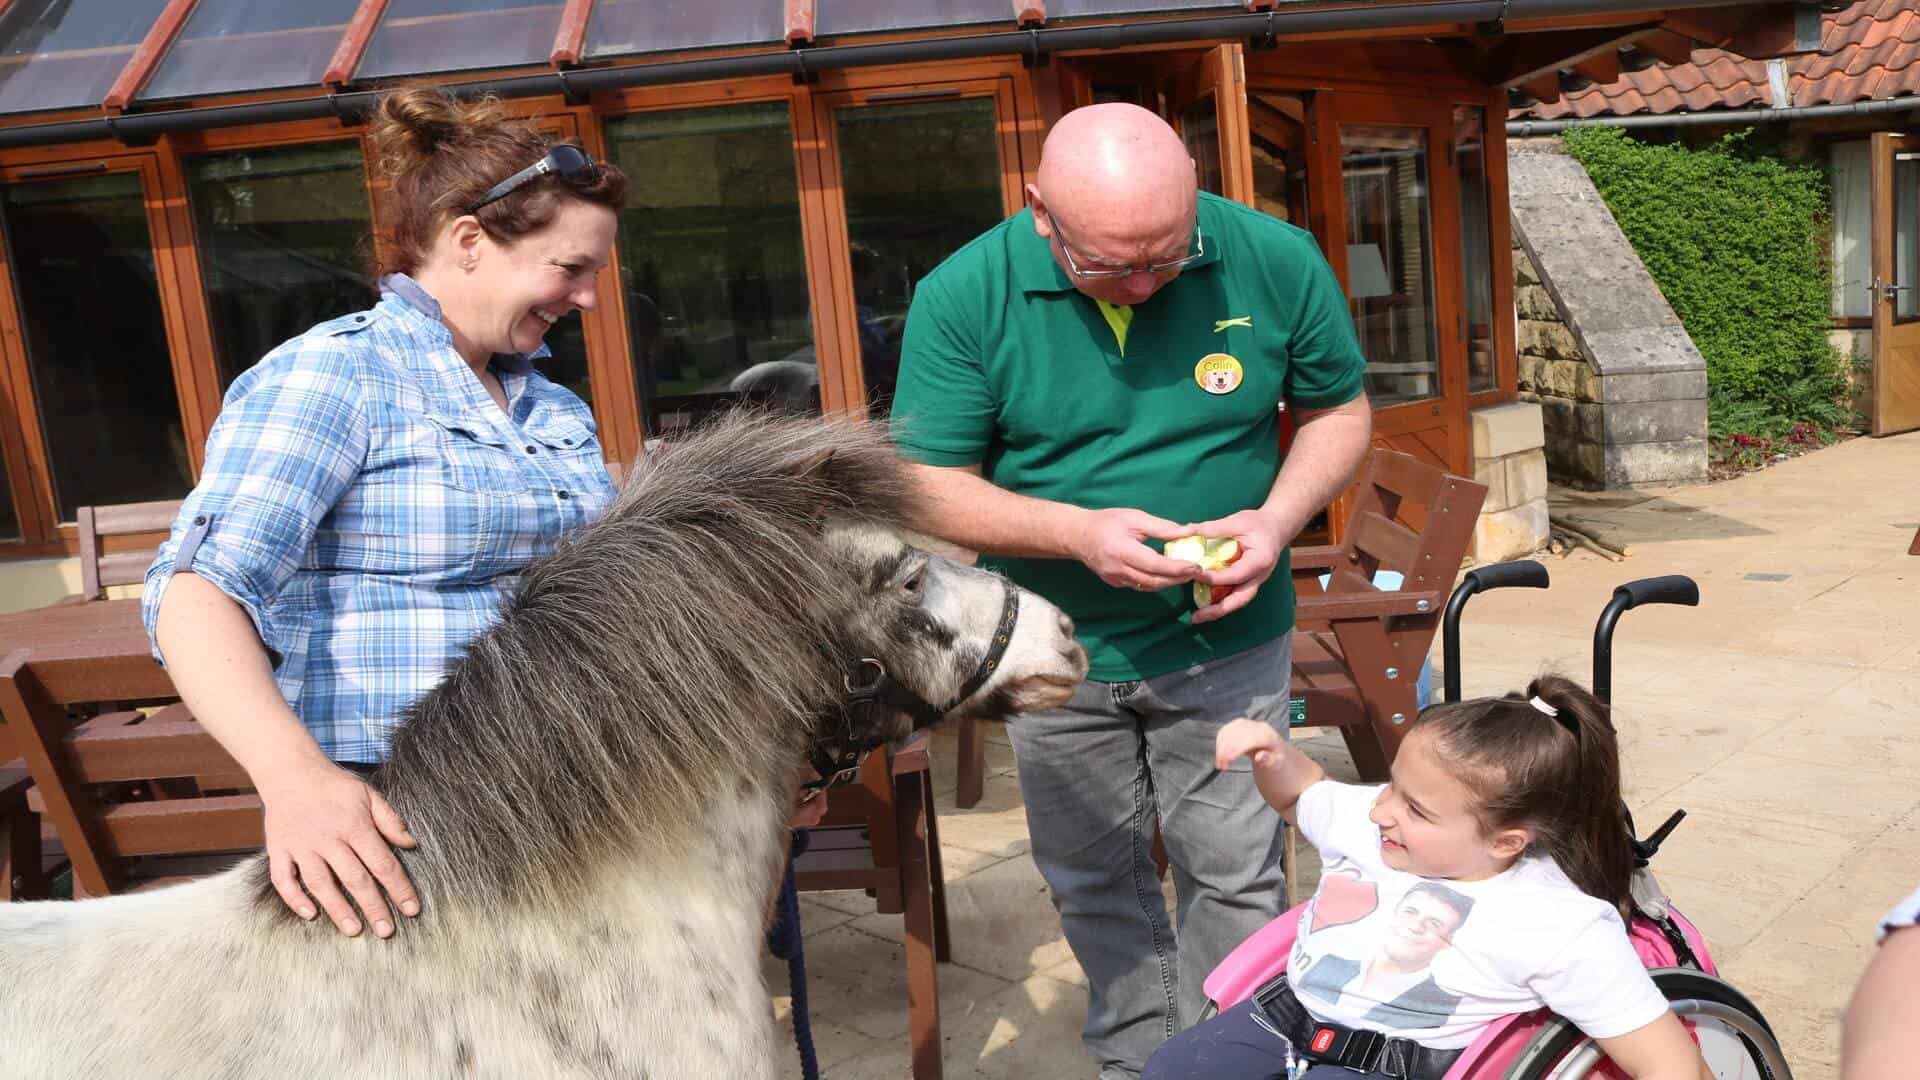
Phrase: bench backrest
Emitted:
{"points": [[98, 568], [124, 783]]}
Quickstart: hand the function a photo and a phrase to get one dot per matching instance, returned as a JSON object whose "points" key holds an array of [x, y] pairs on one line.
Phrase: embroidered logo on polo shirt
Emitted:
{"points": [[1237, 320], [1218, 373]]}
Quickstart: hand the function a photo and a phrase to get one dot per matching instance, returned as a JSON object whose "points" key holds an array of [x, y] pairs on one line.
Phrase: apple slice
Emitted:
{"points": [[1209, 553]]}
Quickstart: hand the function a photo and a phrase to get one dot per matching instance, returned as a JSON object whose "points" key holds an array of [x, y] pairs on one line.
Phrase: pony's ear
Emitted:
{"points": [[818, 473]]}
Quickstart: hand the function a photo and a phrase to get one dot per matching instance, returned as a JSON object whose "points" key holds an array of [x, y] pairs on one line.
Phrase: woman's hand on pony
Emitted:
{"points": [[1662, 1050], [1280, 771], [326, 829]]}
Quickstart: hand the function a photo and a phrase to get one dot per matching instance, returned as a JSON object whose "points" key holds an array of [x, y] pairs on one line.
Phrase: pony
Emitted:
{"points": [[599, 787]]}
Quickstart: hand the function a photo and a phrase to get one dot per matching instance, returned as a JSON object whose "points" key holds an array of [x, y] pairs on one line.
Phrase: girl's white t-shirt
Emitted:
{"points": [[1436, 960]]}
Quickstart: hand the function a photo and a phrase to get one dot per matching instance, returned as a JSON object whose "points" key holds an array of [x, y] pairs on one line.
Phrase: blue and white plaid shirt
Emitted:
{"points": [[370, 507]]}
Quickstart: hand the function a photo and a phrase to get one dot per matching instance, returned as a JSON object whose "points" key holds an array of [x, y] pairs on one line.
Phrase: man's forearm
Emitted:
{"points": [[1328, 447], [965, 508]]}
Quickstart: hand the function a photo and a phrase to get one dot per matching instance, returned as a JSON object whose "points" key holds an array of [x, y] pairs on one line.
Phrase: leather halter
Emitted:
{"points": [[868, 684]]}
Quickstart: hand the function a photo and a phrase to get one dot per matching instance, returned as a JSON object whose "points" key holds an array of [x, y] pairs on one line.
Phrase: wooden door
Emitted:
{"points": [[1207, 105], [1393, 237], [1896, 283]]}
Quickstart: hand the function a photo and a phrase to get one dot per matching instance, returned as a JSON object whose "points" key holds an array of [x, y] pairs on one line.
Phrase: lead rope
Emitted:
{"points": [[783, 940]]}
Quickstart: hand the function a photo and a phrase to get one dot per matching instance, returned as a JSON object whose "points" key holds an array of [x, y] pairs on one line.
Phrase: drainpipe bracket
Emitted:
{"points": [[803, 75], [1266, 39], [113, 126], [1034, 56]]}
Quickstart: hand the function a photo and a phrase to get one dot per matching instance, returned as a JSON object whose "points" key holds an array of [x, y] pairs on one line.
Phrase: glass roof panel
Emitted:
{"points": [[56, 54], [623, 27], [1072, 9], [863, 16], [233, 45], [418, 37]]}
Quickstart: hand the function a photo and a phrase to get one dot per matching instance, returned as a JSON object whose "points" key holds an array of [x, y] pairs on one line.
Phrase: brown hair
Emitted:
{"points": [[441, 154], [1558, 777]]}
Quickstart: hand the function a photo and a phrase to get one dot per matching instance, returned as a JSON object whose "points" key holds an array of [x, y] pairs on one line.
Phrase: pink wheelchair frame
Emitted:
{"points": [[1735, 1039]]}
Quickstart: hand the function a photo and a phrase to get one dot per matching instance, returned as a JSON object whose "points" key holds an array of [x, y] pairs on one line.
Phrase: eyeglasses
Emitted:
{"points": [[567, 160], [1100, 273]]}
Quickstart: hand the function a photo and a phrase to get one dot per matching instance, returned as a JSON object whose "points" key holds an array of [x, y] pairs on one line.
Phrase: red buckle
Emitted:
{"points": [[1323, 1040]]}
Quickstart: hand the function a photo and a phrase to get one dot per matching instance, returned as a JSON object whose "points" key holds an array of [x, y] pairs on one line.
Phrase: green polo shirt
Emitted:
{"points": [[1006, 366]]}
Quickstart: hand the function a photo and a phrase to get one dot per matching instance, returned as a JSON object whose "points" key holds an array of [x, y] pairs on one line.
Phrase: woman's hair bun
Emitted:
{"points": [[410, 125]]}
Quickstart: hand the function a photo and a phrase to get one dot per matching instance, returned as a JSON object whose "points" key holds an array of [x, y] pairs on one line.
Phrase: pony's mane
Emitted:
{"points": [[673, 653]]}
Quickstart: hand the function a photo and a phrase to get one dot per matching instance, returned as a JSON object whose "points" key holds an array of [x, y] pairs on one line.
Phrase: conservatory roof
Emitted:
{"points": [[121, 55]]}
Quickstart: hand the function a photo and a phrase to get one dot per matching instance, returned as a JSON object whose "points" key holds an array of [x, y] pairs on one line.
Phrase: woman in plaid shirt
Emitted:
{"points": [[373, 488]]}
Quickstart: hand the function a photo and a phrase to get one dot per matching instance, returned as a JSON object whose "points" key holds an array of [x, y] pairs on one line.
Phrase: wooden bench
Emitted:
{"points": [[881, 835], [139, 796], [1358, 649]]}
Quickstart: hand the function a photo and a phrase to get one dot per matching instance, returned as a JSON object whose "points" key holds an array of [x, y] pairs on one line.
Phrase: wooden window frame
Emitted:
{"points": [[29, 470]]}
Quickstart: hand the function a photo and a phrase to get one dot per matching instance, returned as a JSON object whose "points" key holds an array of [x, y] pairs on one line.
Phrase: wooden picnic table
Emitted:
{"points": [[97, 649]]}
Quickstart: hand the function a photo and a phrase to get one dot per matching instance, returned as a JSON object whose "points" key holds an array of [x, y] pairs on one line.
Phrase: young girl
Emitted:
{"points": [[1489, 877]]}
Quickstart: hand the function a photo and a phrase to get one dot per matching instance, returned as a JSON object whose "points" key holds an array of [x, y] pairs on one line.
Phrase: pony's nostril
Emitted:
{"points": [[1066, 625]]}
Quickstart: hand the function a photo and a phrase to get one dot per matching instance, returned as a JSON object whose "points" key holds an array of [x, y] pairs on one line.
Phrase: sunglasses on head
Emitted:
{"points": [[565, 160]]}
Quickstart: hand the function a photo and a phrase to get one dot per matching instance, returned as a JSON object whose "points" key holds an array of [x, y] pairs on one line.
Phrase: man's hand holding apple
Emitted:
{"points": [[1111, 544], [1260, 539]]}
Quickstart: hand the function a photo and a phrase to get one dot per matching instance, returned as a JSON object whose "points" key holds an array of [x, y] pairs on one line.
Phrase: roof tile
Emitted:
{"points": [[1868, 51]]}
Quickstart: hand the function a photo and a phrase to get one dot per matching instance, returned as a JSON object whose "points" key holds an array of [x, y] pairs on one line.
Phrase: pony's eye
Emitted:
{"points": [[911, 586]]}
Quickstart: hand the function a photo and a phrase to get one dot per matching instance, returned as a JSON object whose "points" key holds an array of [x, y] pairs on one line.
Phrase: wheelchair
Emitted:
{"points": [[1734, 1038]]}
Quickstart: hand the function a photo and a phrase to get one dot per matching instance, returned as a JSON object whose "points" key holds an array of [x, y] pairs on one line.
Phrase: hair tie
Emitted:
{"points": [[1567, 722]]}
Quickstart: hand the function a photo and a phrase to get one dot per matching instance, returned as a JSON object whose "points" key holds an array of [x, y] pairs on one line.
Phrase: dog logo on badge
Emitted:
{"points": [[1218, 373]]}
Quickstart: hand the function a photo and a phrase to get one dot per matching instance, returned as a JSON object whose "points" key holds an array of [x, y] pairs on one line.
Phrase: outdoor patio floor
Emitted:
{"points": [[1775, 714]]}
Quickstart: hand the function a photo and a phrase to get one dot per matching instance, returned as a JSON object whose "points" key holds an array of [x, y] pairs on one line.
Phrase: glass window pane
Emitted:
{"points": [[1278, 139], [1390, 259], [232, 45], [921, 180], [1906, 238], [62, 53], [101, 375], [621, 27], [1200, 130], [1853, 230], [861, 16], [284, 237], [417, 36], [1476, 239], [711, 262], [9, 520]]}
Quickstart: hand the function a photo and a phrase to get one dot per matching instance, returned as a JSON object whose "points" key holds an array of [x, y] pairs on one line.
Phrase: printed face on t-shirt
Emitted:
{"points": [[1422, 925], [1426, 820]]}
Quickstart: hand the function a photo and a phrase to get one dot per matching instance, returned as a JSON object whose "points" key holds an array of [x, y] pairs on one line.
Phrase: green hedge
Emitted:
{"points": [[1736, 238]]}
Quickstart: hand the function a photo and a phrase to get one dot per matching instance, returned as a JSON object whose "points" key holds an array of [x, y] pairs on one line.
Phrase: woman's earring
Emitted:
{"points": [[467, 263]]}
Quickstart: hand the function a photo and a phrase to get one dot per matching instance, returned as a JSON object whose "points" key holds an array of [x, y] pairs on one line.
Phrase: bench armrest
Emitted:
{"points": [[1332, 607]]}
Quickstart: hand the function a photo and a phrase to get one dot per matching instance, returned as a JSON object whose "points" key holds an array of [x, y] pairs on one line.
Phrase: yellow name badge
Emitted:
{"points": [[1218, 373]]}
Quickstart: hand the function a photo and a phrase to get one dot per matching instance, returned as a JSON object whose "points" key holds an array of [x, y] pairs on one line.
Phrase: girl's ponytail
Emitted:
{"points": [[1590, 842]]}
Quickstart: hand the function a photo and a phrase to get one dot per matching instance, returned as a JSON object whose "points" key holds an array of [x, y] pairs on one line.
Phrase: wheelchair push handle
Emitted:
{"points": [[1670, 589], [1521, 573]]}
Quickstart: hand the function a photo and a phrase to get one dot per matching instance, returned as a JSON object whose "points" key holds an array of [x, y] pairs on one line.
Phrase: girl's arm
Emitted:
{"points": [[1281, 772], [1661, 1050]]}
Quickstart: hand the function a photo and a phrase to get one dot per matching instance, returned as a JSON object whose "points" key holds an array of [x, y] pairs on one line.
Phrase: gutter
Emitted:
{"points": [[1262, 27], [1904, 103]]}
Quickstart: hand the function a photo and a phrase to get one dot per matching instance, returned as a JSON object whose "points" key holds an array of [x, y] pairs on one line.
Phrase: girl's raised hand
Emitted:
{"points": [[1241, 737]]}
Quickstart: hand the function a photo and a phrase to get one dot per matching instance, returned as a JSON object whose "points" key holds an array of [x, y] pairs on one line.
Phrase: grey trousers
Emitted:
{"points": [[1094, 776]]}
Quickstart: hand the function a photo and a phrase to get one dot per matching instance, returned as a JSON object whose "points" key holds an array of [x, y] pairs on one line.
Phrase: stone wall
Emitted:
{"points": [[1508, 457], [1622, 389]]}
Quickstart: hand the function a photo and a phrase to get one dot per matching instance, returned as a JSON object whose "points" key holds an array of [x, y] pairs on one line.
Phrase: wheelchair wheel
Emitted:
{"points": [[1733, 1036]]}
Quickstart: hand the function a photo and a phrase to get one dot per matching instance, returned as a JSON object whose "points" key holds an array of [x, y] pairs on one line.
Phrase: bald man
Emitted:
{"points": [[1099, 374]]}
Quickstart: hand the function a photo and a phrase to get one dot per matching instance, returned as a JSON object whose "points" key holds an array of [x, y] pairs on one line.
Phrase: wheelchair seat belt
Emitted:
{"points": [[1359, 1049]]}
